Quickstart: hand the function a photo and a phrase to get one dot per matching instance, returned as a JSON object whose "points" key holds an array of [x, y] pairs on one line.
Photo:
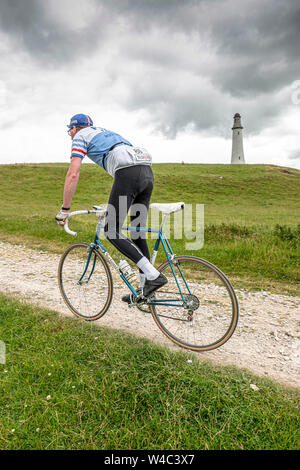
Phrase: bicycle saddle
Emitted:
{"points": [[167, 208]]}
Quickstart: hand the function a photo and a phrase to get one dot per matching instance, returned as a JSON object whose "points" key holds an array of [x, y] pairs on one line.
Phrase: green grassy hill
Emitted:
{"points": [[252, 213], [76, 385], [71, 385]]}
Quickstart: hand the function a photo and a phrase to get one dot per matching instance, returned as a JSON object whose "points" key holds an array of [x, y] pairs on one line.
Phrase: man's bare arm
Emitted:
{"points": [[71, 181]]}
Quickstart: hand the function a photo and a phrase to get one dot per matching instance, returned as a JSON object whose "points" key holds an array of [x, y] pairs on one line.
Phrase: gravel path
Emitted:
{"points": [[266, 341]]}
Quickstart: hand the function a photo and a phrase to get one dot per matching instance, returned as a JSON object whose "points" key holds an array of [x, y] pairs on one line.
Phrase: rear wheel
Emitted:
{"points": [[85, 281], [201, 311]]}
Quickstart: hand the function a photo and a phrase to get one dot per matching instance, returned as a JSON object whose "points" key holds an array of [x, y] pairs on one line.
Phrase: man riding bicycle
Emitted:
{"points": [[133, 184]]}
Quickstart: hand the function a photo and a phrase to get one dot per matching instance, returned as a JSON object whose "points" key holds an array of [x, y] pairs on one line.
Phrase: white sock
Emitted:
{"points": [[148, 269], [142, 280]]}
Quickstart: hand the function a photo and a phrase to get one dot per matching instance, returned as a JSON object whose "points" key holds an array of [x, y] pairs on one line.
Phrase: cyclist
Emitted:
{"points": [[132, 187]]}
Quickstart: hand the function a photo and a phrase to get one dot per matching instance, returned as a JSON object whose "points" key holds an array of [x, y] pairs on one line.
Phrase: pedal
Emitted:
{"points": [[135, 301], [140, 299], [139, 302], [151, 298]]}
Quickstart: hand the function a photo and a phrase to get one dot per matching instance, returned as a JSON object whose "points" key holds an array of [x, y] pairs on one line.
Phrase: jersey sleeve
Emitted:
{"points": [[79, 147]]}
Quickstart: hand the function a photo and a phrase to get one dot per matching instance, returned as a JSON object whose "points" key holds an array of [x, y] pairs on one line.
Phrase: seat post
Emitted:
{"points": [[163, 221]]}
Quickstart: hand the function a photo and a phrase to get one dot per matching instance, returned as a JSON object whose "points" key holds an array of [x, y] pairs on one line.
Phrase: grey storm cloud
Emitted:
{"points": [[33, 30], [194, 61]]}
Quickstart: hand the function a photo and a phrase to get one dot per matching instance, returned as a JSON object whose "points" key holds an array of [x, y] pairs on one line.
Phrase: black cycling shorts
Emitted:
{"points": [[132, 189]]}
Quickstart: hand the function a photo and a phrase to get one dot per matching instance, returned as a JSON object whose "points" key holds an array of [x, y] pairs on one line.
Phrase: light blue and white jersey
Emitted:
{"points": [[108, 149]]}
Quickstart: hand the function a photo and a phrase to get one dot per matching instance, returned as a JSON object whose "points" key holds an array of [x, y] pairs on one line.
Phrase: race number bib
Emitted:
{"points": [[140, 155]]}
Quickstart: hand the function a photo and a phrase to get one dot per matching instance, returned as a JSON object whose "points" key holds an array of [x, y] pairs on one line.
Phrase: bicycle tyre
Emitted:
{"points": [[211, 296], [87, 298]]}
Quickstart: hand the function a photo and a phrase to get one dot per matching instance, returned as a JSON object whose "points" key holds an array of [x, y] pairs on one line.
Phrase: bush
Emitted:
{"points": [[228, 231], [286, 233]]}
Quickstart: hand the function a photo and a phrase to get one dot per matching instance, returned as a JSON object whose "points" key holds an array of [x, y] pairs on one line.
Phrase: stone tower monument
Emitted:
{"points": [[237, 154]]}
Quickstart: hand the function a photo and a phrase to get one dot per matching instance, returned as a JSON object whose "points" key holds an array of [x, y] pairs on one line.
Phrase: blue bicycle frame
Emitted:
{"points": [[161, 239]]}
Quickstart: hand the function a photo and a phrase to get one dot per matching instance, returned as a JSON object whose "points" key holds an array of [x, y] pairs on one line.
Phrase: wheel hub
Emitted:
{"points": [[192, 302]]}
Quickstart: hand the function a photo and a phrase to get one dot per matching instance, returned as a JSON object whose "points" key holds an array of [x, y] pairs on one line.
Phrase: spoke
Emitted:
{"points": [[207, 297], [90, 298]]}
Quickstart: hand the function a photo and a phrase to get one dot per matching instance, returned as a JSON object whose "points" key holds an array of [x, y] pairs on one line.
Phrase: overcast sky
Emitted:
{"points": [[166, 74]]}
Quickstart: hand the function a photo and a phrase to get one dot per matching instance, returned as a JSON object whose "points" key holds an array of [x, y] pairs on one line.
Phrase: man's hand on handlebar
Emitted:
{"points": [[62, 217]]}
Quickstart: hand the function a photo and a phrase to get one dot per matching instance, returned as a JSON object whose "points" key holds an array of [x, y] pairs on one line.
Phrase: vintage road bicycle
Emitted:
{"points": [[197, 309]]}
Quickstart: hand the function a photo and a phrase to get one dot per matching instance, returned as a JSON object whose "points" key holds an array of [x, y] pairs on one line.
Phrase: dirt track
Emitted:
{"points": [[266, 341]]}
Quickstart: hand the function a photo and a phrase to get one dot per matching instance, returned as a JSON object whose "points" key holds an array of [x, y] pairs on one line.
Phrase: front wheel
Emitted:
{"points": [[198, 308], [85, 281]]}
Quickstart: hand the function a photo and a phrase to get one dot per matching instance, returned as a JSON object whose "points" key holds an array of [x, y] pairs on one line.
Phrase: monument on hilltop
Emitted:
{"points": [[237, 153]]}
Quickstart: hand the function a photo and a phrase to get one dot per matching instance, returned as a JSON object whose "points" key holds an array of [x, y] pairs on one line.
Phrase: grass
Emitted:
{"points": [[252, 214], [72, 385]]}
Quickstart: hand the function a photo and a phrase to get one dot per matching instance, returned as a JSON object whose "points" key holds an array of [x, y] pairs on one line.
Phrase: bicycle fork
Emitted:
{"points": [[80, 282]]}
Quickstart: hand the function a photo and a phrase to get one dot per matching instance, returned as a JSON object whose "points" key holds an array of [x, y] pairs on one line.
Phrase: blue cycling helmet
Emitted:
{"points": [[80, 120]]}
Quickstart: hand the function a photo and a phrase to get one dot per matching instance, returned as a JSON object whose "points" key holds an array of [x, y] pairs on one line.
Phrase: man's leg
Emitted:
{"points": [[126, 187], [120, 199], [138, 218]]}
